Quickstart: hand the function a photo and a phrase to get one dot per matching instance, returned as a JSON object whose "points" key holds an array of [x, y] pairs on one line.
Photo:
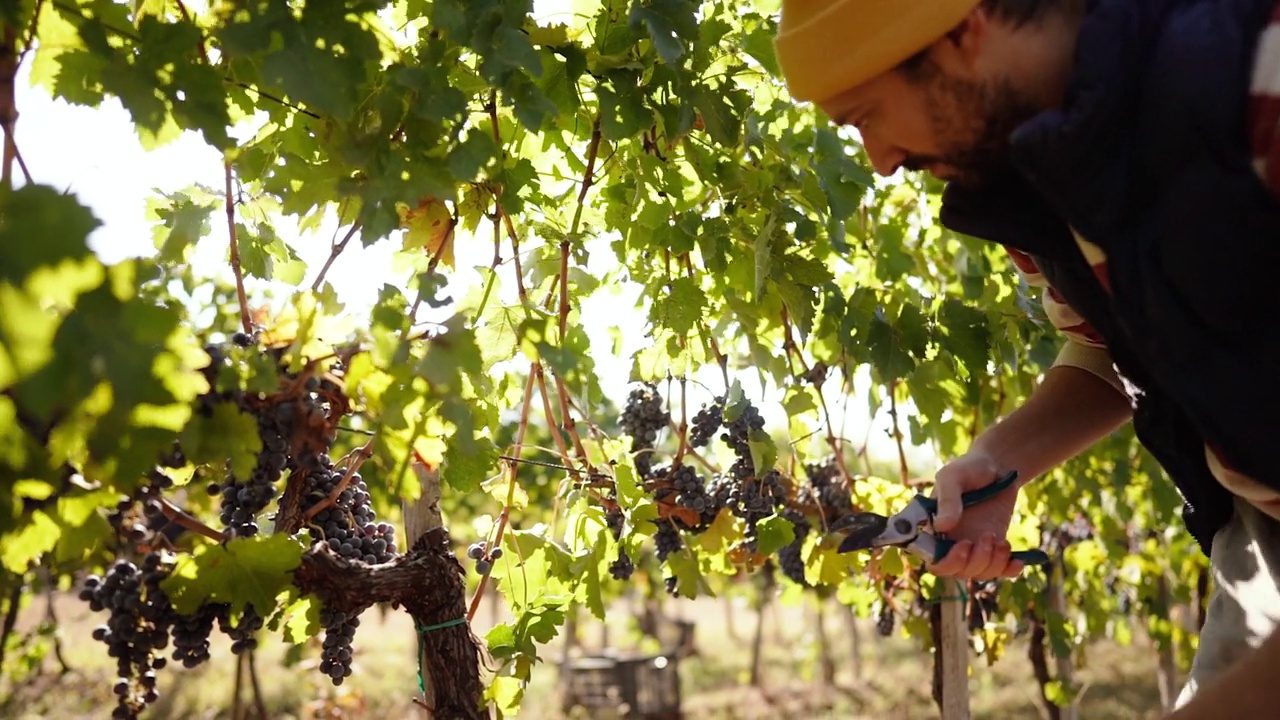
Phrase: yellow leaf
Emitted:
{"points": [[428, 226]]}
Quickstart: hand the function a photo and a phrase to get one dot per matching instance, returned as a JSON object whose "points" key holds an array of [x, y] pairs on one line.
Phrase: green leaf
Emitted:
{"points": [[224, 435], [20, 549], [40, 227], [774, 533], [501, 640], [683, 307], [668, 22], [507, 694], [465, 471], [251, 571], [759, 45], [764, 452], [301, 619], [718, 116]]}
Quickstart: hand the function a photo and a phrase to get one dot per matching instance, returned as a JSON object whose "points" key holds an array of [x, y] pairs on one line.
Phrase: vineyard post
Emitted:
{"points": [[1167, 668], [1057, 602], [855, 637], [954, 651]]}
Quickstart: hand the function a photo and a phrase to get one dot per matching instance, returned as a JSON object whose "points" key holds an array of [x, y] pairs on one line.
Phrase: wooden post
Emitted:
{"points": [[420, 517], [954, 651], [855, 636], [1058, 604], [1167, 670]]}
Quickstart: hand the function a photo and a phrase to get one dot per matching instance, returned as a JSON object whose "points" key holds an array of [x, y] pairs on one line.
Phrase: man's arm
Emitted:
{"points": [[1073, 408]]}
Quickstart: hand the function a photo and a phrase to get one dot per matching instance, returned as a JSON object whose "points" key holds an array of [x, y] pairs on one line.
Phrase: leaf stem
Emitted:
{"points": [[335, 249], [245, 320], [511, 491], [833, 441], [897, 434], [360, 455], [177, 515]]}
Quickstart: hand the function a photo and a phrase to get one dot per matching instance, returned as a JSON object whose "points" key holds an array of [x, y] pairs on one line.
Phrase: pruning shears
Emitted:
{"points": [[907, 528]]}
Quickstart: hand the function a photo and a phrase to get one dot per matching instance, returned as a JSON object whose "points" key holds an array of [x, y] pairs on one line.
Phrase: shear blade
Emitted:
{"points": [[861, 531]]}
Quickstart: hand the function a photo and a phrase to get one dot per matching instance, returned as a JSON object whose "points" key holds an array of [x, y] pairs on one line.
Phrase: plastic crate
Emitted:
{"points": [[644, 687]]}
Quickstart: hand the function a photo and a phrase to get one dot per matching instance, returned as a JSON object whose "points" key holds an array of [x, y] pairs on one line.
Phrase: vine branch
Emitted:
{"points": [[833, 441], [335, 249], [897, 434], [511, 490], [245, 320]]}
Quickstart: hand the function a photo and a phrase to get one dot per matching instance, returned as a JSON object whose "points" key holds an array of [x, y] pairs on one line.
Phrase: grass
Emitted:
{"points": [[894, 682]]}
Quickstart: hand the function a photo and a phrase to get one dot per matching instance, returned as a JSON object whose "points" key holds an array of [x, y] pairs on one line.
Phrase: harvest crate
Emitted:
{"points": [[644, 687]]}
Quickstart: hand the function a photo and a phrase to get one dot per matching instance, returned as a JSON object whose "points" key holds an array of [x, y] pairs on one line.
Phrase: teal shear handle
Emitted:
{"points": [[942, 546], [1026, 557], [973, 497]]}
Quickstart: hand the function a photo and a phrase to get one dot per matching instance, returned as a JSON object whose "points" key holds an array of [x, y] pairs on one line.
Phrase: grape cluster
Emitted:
{"points": [[667, 540], [137, 627], [483, 555], [139, 526], [825, 489], [623, 567], [789, 558], [642, 419], [755, 499], [1068, 533], [706, 422], [242, 500], [243, 633], [339, 631], [737, 434], [884, 621], [350, 527], [191, 635]]}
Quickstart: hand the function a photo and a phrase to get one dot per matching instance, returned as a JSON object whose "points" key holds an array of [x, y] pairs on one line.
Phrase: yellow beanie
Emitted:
{"points": [[826, 47]]}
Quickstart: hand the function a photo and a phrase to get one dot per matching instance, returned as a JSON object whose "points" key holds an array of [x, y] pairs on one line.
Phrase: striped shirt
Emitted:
{"points": [[1085, 348]]}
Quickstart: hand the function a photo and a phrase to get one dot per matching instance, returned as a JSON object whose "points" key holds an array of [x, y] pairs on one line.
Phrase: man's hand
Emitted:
{"points": [[981, 551]]}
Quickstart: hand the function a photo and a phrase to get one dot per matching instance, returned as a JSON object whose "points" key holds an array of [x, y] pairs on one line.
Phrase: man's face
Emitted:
{"points": [[954, 125]]}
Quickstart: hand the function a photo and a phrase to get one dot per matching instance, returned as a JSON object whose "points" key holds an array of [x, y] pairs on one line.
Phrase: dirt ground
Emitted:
{"points": [[892, 682]]}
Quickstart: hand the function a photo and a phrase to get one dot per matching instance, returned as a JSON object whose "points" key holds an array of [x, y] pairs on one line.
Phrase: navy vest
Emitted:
{"points": [[1148, 158]]}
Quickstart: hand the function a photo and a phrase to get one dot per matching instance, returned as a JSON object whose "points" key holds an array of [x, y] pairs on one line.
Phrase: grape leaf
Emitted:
{"points": [[683, 307], [251, 570], [464, 471], [774, 533], [21, 548], [41, 227], [224, 435], [301, 619]]}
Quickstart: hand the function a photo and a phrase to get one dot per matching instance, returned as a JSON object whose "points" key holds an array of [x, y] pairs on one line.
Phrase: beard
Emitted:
{"points": [[973, 122]]}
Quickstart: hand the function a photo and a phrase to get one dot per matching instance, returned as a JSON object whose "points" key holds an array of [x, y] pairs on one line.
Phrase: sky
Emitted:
{"points": [[94, 153]]}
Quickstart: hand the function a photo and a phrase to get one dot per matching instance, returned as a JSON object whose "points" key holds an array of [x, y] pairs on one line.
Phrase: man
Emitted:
{"points": [[1127, 154]]}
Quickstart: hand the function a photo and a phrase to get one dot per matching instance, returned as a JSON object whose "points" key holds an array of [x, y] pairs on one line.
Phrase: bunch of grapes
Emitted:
{"points": [[789, 558], [706, 422], [642, 419], [135, 526], [140, 619], [623, 567], [350, 527], [667, 539], [339, 631], [884, 621], [826, 491], [754, 499], [737, 435]]}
